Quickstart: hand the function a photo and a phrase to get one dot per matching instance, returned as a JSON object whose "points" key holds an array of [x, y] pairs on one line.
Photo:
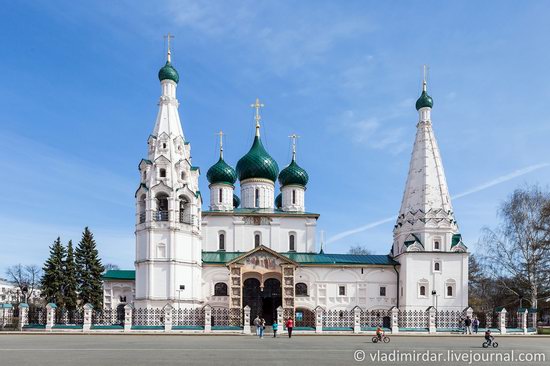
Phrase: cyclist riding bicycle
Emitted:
{"points": [[488, 337], [379, 333]]}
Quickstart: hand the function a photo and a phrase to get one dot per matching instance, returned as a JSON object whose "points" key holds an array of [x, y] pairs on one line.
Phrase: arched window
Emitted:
{"points": [[220, 289], [450, 291], [422, 290], [182, 175], [436, 245], [220, 195], [292, 243], [162, 207], [164, 145], [450, 287], [301, 289], [257, 240], [437, 266], [142, 207], [145, 175], [163, 173], [257, 197], [185, 212], [293, 196], [221, 241]]}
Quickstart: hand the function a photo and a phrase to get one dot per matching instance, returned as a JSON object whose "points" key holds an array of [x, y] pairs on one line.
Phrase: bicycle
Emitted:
{"points": [[487, 343], [384, 339]]}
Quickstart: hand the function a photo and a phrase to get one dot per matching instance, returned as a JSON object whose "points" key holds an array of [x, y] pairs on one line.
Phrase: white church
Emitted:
{"points": [[258, 248]]}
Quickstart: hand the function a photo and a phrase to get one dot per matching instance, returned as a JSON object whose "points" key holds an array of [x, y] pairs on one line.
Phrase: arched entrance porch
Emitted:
{"points": [[263, 300]]}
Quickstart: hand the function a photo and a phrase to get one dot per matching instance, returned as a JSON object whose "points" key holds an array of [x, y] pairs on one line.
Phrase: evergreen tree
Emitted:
{"points": [[71, 283], [53, 277], [89, 271]]}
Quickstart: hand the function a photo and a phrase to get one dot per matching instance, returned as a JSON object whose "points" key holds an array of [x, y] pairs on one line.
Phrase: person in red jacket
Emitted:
{"points": [[289, 325]]}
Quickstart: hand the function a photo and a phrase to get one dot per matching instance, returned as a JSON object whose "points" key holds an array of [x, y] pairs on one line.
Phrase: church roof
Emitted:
{"points": [[257, 163], [221, 172], [120, 274], [293, 174]]}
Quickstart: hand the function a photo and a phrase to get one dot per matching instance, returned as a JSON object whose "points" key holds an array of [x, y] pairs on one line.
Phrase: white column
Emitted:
{"points": [[280, 318], [394, 320], [50, 315], [356, 319], [207, 319], [246, 319], [431, 320], [502, 321], [319, 319], [87, 324], [167, 317], [23, 315], [128, 310], [523, 317]]}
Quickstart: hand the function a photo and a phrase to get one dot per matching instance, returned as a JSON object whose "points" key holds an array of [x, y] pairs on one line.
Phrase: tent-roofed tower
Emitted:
{"points": [[426, 240], [168, 209]]}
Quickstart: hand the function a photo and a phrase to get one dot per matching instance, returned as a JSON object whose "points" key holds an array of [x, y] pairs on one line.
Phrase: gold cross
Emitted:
{"points": [[221, 143], [425, 79], [294, 137], [168, 37], [257, 105]]}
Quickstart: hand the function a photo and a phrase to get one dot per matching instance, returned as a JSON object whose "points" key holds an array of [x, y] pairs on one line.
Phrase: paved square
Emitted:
{"points": [[122, 350]]}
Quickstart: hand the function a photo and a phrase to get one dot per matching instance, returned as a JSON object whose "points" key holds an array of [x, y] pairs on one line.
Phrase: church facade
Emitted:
{"points": [[258, 248]]}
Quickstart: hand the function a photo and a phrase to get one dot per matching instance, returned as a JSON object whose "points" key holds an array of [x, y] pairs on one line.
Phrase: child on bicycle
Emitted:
{"points": [[379, 332], [488, 337]]}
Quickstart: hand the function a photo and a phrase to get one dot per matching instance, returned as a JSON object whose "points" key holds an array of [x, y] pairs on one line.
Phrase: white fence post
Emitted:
{"points": [[87, 321], [394, 320], [207, 318], [50, 315], [246, 319], [533, 315], [356, 319], [319, 319], [502, 321], [168, 317], [23, 315], [280, 319], [128, 310], [431, 320], [523, 317]]}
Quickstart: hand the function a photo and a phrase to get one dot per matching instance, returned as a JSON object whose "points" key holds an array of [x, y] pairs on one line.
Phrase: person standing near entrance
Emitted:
{"points": [[262, 327], [275, 327], [468, 325], [475, 324], [257, 322], [289, 325]]}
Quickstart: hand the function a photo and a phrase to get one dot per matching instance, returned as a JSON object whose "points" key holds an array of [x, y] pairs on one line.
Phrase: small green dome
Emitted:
{"points": [[279, 200], [257, 163], [168, 72], [293, 174], [221, 172], [424, 101], [236, 201]]}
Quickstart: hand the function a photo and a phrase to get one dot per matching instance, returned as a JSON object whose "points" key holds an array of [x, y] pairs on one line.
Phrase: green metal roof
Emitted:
{"points": [[279, 201], [221, 172], [457, 240], [424, 101], [119, 274], [168, 72], [293, 174], [257, 163], [236, 201]]}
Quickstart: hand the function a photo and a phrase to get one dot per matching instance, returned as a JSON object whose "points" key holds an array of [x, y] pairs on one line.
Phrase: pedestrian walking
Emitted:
{"points": [[289, 325], [262, 327], [475, 324], [275, 327], [468, 325], [257, 322]]}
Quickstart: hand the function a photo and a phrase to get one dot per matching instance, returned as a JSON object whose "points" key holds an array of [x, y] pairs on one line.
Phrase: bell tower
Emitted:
{"points": [[168, 209]]}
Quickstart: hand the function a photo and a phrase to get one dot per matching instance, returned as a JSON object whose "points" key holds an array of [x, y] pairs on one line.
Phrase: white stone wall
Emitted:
{"points": [[266, 197], [226, 202], [418, 268], [114, 290], [299, 203], [240, 230]]}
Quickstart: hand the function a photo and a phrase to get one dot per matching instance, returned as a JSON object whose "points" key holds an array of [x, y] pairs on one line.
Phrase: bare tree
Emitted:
{"points": [[518, 251], [25, 278], [111, 267], [359, 250]]}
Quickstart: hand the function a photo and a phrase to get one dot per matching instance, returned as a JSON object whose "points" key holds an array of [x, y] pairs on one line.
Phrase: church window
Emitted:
{"points": [[220, 195], [144, 175], [220, 289], [163, 173], [301, 289], [437, 266], [162, 207], [257, 198], [164, 145], [257, 240], [437, 245], [221, 243], [293, 196], [449, 291], [182, 175], [342, 290], [291, 243], [422, 290], [382, 290], [450, 286]]}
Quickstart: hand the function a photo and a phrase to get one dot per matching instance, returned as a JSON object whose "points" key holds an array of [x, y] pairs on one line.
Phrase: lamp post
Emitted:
{"points": [[434, 293]]}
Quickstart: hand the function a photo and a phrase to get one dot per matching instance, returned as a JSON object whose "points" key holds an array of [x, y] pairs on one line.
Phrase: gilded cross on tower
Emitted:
{"points": [[425, 78], [221, 143], [257, 117], [294, 138], [168, 37]]}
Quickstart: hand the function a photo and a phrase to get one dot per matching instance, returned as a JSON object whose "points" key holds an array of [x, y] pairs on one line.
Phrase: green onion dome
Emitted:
{"points": [[293, 174], [257, 163], [236, 201], [279, 201], [168, 72], [221, 172], [424, 101]]}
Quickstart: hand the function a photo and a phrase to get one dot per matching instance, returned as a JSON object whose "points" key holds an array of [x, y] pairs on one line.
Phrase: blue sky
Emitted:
{"points": [[79, 88]]}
